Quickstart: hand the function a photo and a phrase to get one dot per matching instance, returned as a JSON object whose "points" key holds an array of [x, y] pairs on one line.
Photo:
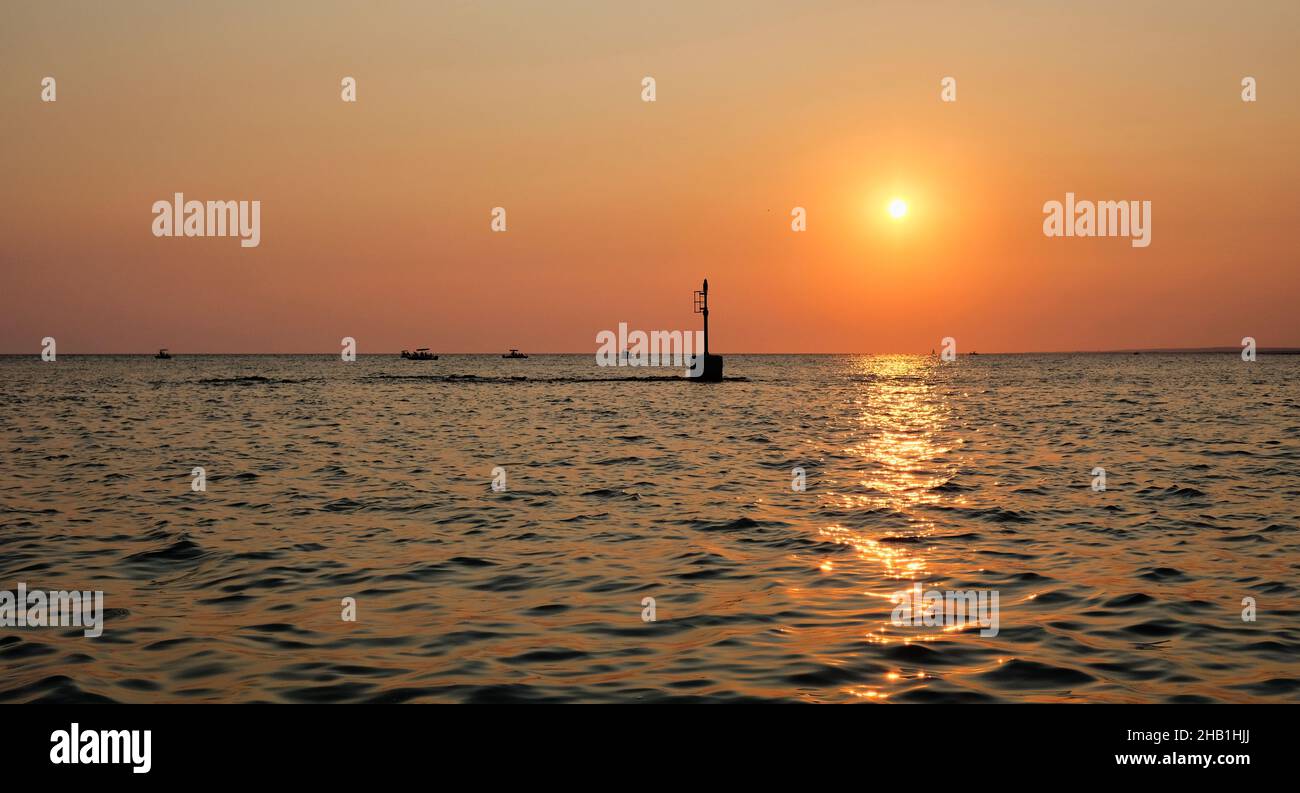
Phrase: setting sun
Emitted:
{"points": [[897, 208]]}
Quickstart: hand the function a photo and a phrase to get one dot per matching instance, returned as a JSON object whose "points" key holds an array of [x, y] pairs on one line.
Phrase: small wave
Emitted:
{"points": [[254, 379], [182, 550], [1018, 673], [497, 380], [1163, 574]]}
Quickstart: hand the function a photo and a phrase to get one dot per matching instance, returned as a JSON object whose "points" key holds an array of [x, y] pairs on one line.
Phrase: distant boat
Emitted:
{"points": [[421, 354], [514, 354], [163, 354]]}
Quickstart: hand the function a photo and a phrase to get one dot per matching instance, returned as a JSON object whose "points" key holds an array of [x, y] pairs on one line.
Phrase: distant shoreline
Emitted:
{"points": [[394, 353]]}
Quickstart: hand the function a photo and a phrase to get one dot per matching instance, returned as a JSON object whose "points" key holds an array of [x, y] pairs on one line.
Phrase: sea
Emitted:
{"points": [[476, 529]]}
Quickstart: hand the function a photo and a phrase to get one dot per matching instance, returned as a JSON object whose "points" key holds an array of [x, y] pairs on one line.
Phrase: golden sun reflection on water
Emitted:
{"points": [[900, 419], [902, 461]]}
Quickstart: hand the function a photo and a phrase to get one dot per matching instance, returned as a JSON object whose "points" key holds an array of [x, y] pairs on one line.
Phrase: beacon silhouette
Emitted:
{"points": [[711, 372]]}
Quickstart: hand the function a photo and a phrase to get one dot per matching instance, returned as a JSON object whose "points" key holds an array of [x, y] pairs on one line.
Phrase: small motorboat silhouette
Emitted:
{"points": [[163, 354], [421, 354], [514, 354]]}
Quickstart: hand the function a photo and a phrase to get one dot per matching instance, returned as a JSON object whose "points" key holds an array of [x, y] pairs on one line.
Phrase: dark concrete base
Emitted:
{"points": [[712, 370]]}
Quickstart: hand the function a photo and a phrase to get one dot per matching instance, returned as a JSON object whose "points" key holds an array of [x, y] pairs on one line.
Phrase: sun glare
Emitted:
{"points": [[897, 208]]}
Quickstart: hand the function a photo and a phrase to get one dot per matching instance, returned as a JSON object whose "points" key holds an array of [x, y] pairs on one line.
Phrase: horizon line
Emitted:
{"points": [[1280, 350]]}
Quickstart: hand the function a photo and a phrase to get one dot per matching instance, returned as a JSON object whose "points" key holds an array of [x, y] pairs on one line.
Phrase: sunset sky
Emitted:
{"points": [[375, 215]]}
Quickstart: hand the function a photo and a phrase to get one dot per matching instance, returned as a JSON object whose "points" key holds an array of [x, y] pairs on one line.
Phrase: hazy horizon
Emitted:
{"points": [[878, 353]]}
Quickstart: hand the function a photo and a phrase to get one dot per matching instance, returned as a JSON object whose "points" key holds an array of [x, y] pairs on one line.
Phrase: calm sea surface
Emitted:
{"points": [[373, 480]]}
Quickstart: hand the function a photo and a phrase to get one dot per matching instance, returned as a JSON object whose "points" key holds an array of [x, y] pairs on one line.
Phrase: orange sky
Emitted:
{"points": [[375, 215]]}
